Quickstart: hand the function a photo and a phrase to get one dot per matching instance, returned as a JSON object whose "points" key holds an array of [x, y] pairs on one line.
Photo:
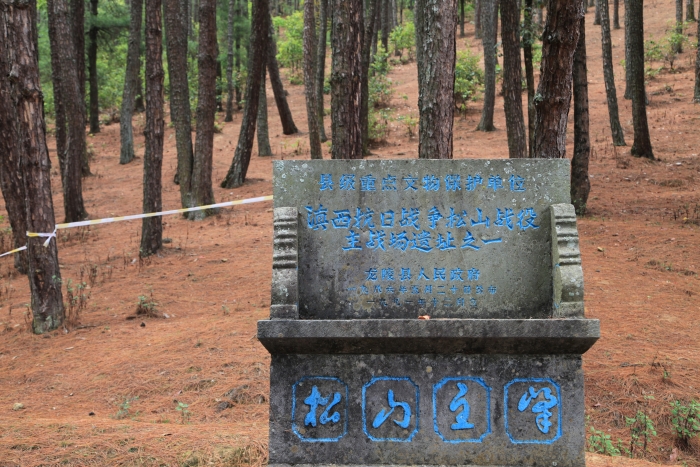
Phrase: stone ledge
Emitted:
{"points": [[438, 336]]}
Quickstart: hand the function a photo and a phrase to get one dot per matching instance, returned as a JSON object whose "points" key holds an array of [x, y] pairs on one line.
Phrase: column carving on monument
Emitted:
{"points": [[285, 261], [566, 262]]}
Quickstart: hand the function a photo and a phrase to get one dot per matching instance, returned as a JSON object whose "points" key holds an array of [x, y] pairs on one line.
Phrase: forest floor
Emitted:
{"points": [[108, 391]]}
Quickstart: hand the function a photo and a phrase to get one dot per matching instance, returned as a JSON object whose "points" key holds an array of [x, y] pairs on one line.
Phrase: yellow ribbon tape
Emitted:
{"points": [[132, 217]]}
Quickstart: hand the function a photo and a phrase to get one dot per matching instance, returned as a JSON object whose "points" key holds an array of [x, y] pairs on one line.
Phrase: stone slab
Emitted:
{"points": [[458, 336], [403, 238], [427, 409]]}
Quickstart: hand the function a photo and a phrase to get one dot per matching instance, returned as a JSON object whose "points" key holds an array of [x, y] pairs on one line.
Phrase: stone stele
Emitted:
{"points": [[486, 254]]}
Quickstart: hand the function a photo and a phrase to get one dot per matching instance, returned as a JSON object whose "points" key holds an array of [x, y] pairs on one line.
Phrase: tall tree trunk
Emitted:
{"points": [[152, 227], [528, 39], [609, 76], [237, 37], [689, 10], [596, 20], [386, 24], [77, 15], [346, 74], [229, 62], [377, 27], [202, 191], [11, 175], [264, 149], [21, 96], [488, 16], [478, 30], [371, 25], [321, 65], [260, 31], [176, 42], [92, 65], [696, 93], [678, 47], [642, 141], [461, 18], [512, 78], [58, 99], [628, 74], [580, 183], [131, 78], [436, 50], [74, 206], [288, 126], [553, 98], [310, 45], [616, 14], [77, 12]]}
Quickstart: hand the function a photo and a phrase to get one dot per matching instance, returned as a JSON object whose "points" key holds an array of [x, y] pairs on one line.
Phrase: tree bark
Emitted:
{"points": [[678, 47], [77, 15], [371, 25], [260, 29], [628, 74], [580, 183], [77, 12], [264, 149], [478, 32], [288, 126], [616, 14], [488, 12], [596, 20], [176, 42], [321, 65], [310, 44], [528, 39], [618, 135], [229, 62], [202, 191], [92, 66], [126, 130], [64, 49], [152, 227], [11, 180], [21, 97], [59, 107], [386, 24], [436, 26], [237, 55], [689, 10], [642, 141], [553, 97], [512, 78], [696, 93], [346, 74]]}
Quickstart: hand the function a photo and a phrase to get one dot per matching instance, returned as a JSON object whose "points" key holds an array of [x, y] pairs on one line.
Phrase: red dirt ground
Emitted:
{"points": [[640, 257]]}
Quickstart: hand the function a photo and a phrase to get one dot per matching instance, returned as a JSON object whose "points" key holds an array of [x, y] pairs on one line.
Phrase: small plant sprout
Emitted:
{"points": [[686, 422], [184, 412]]}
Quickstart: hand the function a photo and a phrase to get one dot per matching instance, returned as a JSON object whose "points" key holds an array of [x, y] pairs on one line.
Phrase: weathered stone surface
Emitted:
{"points": [[566, 262], [442, 410], [479, 247], [285, 263], [410, 336]]}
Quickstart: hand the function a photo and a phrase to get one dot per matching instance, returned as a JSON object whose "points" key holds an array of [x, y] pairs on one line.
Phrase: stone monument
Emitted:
{"points": [[427, 313]]}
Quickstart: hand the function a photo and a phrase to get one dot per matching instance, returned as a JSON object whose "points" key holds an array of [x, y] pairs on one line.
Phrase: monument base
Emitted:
{"points": [[427, 409]]}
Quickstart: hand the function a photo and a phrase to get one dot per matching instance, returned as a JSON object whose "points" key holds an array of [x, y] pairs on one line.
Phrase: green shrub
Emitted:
{"points": [[380, 62], [599, 442], [686, 421], [381, 91], [403, 37], [641, 429], [290, 44], [468, 78], [378, 123]]}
